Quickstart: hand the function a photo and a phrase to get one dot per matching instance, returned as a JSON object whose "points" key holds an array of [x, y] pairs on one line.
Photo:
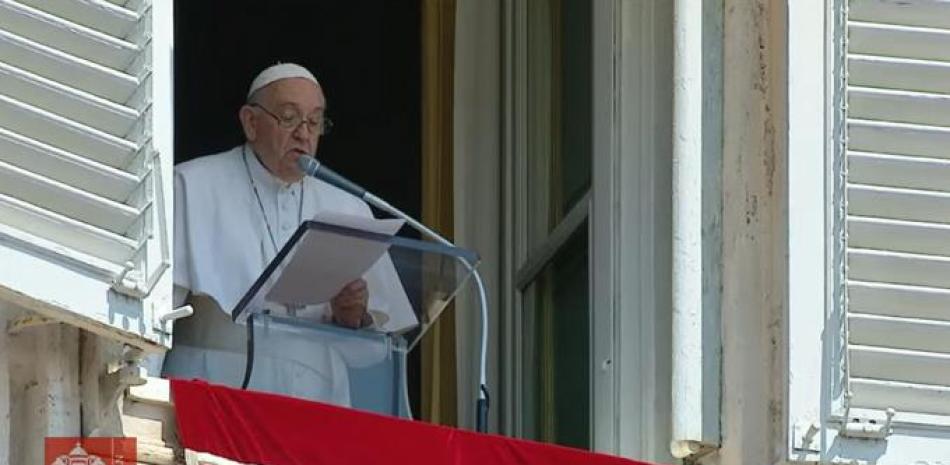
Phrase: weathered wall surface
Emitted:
{"points": [[59, 381], [754, 241]]}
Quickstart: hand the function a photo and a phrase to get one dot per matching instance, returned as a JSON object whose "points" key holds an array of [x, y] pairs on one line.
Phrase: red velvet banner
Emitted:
{"points": [[268, 429]]}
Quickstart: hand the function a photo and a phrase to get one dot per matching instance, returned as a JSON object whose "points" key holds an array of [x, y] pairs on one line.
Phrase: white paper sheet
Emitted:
{"points": [[325, 261]]}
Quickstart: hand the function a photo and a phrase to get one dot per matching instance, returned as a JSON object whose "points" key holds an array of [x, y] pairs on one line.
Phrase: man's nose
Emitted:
{"points": [[303, 132]]}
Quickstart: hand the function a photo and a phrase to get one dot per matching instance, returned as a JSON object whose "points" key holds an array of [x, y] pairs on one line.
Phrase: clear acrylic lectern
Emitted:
{"points": [[410, 283]]}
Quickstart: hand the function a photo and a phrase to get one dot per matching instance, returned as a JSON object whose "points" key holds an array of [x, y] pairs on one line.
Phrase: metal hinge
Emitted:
{"points": [[867, 428]]}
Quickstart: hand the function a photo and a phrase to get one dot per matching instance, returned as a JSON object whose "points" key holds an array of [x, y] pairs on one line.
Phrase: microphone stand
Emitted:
{"points": [[312, 167], [481, 404]]}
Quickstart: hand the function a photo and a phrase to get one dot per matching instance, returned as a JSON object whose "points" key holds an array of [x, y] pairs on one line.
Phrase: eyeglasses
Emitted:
{"points": [[320, 125]]}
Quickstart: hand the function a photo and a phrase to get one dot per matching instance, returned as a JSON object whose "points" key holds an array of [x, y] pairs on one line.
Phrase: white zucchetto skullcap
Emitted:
{"points": [[278, 72]]}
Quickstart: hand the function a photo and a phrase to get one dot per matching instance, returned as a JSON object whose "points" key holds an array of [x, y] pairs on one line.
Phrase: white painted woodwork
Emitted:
{"points": [[899, 268], [899, 301], [85, 162], [898, 171], [896, 332], [62, 34], [869, 232], [901, 106], [899, 41], [899, 236], [901, 204], [68, 168], [898, 138], [925, 13], [65, 133], [879, 394], [907, 365], [898, 205], [68, 102], [44, 60], [98, 15], [696, 165]]}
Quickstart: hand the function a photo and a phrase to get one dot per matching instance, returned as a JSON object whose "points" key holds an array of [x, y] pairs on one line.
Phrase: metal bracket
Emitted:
{"points": [[161, 324], [805, 437], [867, 428]]}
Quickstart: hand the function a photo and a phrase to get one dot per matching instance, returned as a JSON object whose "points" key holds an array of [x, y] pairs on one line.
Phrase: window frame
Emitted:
{"points": [[527, 260], [629, 225]]}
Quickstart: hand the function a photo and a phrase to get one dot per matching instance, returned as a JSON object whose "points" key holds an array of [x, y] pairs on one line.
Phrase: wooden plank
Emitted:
{"points": [[905, 397], [932, 13], [899, 300], [898, 138], [899, 171], [899, 106], [898, 41], [899, 73], [898, 236], [900, 204], [906, 366], [899, 333], [899, 268]]}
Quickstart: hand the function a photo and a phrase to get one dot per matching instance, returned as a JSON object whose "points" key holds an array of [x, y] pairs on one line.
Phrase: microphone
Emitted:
{"points": [[312, 167]]}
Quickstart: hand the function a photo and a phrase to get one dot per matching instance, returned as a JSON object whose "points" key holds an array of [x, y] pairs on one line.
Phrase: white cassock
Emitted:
{"points": [[222, 244]]}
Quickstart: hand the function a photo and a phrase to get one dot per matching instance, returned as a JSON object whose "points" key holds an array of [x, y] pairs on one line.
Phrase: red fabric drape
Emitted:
{"points": [[268, 429]]}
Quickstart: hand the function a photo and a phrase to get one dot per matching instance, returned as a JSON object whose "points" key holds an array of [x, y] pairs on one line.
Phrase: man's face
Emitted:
{"points": [[279, 146]]}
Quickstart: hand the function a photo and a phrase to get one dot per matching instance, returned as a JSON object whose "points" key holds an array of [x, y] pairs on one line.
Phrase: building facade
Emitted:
{"points": [[713, 231]]}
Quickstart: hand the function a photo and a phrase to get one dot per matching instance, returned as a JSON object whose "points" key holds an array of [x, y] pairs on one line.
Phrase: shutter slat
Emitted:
{"points": [[907, 366], [898, 41], [899, 268], [899, 333], [928, 13], [898, 138], [65, 167], [65, 133], [64, 231], [900, 204], [66, 69], [900, 301], [66, 36], [899, 106], [65, 200], [95, 14], [899, 236], [61, 100], [899, 73], [905, 397], [898, 171]]}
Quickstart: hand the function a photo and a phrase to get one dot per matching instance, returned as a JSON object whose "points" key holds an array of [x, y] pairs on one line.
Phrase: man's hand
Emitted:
{"points": [[349, 306]]}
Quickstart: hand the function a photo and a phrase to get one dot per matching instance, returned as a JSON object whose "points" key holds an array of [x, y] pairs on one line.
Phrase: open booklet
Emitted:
{"points": [[325, 261]]}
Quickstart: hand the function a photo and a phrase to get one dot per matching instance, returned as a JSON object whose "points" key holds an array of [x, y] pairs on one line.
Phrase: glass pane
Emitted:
{"points": [[559, 110], [410, 282], [556, 349]]}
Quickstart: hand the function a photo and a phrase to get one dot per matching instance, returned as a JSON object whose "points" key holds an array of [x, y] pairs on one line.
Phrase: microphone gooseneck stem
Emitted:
{"points": [[481, 405]]}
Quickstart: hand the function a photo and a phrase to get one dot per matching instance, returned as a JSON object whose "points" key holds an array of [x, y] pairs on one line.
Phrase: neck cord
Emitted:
{"points": [[257, 195]]}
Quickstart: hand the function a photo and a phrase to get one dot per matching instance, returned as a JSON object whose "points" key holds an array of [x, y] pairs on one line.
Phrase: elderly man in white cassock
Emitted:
{"points": [[233, 213]]}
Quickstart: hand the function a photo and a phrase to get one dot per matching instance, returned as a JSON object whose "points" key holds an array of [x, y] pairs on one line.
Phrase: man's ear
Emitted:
{"points": [[246, 115]]}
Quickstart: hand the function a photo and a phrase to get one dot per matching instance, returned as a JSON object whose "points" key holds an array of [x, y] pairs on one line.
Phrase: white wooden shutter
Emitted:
{"points": [[85, 162], [898, 205]]}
